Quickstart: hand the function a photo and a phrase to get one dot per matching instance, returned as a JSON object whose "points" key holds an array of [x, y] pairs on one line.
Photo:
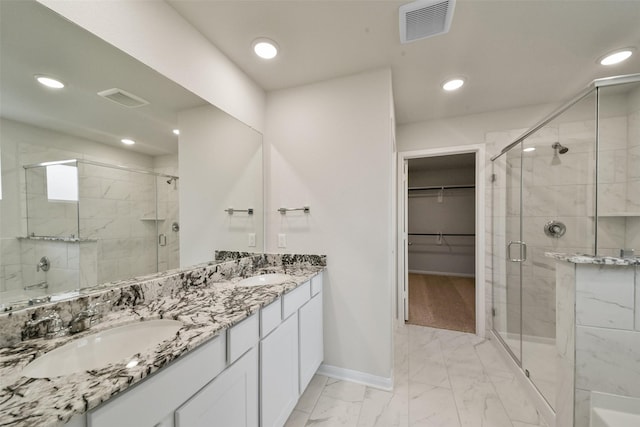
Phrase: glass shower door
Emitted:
{"points": [[507, 249], [168, 223], [558, 164]]}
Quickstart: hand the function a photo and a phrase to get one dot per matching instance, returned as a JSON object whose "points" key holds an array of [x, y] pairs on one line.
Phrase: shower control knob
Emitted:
{"points": [[555, 229]]}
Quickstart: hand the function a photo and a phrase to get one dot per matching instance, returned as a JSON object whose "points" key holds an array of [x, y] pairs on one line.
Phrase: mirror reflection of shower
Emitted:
{"points": [[174, 180], [558, 149]]}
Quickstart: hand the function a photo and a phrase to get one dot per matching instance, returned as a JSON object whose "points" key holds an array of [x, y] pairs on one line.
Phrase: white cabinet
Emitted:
{"points": [[229, 381], [279, 373], [231, 400], [311, 339]]}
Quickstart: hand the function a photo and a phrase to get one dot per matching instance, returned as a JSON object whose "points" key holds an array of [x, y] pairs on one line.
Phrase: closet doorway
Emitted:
{"points": [[440, 242]]}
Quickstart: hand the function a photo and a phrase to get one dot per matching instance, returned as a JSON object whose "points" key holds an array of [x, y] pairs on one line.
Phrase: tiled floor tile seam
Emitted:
{"points": [[505, 375], [485, 374], [450, 389], [493, 386], [446, 366]]}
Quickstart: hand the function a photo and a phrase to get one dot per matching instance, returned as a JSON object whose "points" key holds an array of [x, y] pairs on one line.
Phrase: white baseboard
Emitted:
{"points": [[442, 273], [364, 378]]}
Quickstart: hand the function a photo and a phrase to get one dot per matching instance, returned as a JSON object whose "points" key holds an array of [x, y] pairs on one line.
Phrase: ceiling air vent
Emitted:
{"points": [[425, 18], [123, 98]]}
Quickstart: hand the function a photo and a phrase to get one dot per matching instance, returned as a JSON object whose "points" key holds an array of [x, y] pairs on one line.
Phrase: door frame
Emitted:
{"points": [[402, 249]]}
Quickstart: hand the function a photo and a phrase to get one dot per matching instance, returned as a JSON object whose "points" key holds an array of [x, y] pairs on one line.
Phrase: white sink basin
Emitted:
{"points": [[102, 348], [266, 279]]}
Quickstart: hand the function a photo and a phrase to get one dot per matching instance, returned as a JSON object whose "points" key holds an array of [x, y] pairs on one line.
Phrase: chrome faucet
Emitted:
{"points": [[85, 318], [44, 264]]}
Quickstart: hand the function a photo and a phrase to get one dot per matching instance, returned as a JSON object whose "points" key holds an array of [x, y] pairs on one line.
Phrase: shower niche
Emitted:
{"points": [[95, 223]]}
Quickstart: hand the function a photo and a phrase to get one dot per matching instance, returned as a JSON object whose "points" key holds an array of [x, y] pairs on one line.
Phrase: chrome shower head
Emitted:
{"points": [[559, 148]]}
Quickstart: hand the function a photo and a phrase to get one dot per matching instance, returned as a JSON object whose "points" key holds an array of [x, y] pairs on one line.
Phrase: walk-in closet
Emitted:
{"points": [[441, 238]]}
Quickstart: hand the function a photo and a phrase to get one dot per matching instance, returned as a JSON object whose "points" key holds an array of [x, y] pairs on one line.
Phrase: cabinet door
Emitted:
{"points": [[231, 400], [279, 373], [311, 340]]}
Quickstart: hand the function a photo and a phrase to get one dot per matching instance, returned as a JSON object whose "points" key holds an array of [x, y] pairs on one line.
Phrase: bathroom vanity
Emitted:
{"points": [[243, 356]]}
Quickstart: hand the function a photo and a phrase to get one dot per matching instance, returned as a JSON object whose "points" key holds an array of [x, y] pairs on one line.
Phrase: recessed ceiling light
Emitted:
{"points": [[529, 149], [453, 84], [49, 82], [176, 131], [265, 48], [616, 57], [128, 141]]}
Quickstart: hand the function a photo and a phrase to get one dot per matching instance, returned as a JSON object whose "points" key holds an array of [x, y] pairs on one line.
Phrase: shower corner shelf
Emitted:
{"points": [[152, 219]]}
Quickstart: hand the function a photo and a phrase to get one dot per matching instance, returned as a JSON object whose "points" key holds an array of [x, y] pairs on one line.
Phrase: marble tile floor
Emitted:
{"points": [[540, 357], [442, 379]]}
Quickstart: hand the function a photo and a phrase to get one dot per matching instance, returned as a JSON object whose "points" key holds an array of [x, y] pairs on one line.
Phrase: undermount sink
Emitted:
{"points": [[102, 348], [266, 279]]}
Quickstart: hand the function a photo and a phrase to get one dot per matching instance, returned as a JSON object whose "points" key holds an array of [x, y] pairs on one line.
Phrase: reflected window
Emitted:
{"points": [[62, 183]]}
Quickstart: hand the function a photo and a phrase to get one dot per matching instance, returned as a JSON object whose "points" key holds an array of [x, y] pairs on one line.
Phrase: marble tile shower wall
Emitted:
{"points": [[64, 258], [115, 206], [118, 209]]}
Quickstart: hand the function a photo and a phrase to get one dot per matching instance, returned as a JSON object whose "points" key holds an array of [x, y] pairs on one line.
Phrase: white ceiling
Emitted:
{"points": [[35, 40], [512, 52]]}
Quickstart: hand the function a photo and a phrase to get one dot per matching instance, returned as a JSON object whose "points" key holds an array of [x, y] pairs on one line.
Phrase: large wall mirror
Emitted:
{"points": [[78, 207]]}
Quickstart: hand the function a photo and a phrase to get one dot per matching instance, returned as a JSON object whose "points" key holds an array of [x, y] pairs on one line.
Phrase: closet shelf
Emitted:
{"points": [[441, 234], [440, 187]]}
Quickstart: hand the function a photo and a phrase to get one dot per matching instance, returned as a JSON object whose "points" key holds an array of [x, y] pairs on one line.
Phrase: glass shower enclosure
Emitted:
{"points": [[571, 184], [97, 223]]}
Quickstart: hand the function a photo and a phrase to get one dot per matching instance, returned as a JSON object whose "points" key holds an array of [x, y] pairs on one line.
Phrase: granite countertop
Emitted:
{"points": [[205, 311], [591, 259]]}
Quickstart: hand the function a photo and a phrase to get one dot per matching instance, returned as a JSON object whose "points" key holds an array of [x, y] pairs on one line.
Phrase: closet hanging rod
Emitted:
{"points": [[442, 234], [441, 187]]}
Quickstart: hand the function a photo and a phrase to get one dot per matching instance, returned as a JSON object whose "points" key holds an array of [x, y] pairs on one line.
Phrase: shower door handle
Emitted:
{"points": [[523, 251]]}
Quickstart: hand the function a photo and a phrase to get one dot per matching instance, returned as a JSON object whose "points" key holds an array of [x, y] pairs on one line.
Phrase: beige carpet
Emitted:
{"points": [[444, 302]]}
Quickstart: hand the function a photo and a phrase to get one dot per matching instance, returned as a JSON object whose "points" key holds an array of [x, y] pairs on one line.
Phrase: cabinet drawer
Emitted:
{"points": [[316, 284], [229, 400], [242, 337], [296, 299], [156, 397], [270, 317]]}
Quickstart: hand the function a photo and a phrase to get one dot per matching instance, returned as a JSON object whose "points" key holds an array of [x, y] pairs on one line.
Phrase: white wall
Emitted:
{"points": [[329, 146], [464, 130], [155, 34], [220, 167]]}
